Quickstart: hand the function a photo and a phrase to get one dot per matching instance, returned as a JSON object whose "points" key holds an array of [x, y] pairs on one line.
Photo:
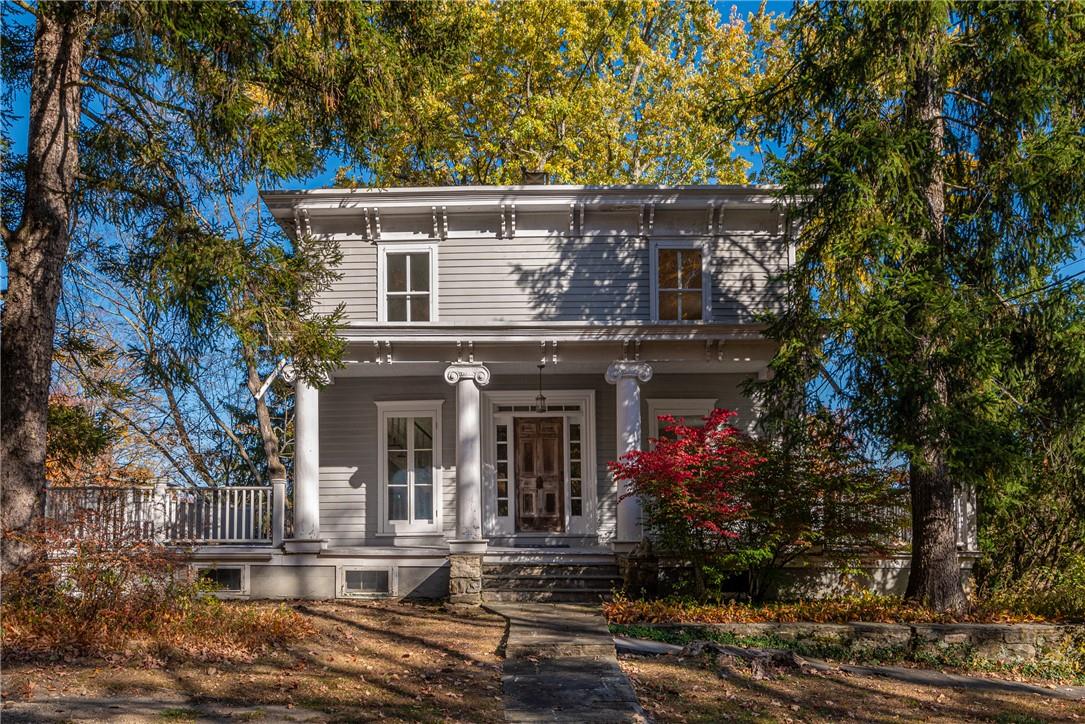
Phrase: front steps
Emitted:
{"points": [[549, 576]]}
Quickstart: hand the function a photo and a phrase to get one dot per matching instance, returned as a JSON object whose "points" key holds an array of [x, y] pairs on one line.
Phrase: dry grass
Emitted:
{"points": [[689, 690], [362, 662]]}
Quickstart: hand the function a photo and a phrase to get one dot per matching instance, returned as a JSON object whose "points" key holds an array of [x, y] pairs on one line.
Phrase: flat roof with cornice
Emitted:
{"points": [[285, 204]]}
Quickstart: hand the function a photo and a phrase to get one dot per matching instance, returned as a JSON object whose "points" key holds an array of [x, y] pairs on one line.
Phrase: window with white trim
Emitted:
{"points": [[407, 283], [409, 463], [681, 288], [690, 411]]}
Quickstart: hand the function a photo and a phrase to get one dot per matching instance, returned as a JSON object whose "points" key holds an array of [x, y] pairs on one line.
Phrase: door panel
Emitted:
{"points": [[540, 474]]}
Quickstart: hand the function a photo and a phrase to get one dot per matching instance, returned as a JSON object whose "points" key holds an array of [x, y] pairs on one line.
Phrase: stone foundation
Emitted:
{"points": [[1009, 643], [465, 578]]}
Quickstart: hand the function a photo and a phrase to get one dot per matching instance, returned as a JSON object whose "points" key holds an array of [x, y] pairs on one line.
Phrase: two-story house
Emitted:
{"points": [[503, 345]]}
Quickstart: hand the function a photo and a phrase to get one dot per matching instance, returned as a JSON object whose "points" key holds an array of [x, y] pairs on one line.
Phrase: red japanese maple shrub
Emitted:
{"points": [[690, 485]]}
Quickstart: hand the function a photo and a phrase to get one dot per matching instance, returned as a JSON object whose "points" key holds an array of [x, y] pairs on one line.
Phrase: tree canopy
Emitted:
{"points": [[933, 152], [587, 92]]}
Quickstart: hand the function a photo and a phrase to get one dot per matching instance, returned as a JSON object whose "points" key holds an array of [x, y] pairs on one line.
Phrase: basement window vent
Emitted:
{"points": [[367, 582], [228, 580]]}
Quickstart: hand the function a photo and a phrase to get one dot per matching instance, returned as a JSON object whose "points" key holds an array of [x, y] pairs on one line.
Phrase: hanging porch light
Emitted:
{"points": [[540, 400]]}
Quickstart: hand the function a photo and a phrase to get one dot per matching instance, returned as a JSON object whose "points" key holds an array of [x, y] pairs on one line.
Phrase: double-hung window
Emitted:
{"points": [[407, 282], [680, 281], [409, 435]]}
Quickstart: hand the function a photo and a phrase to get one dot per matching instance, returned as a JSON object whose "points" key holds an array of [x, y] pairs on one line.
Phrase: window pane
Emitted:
{"points": [[502, 469], [574, 430], [397, 309], [397, 433], [574, 450], [397, 502], [577, 508], [419, 307], [419, 271], [423, 502], [575, 488], [397, 272], [397, 467], [691, 305], [668, 268], [502, 488], [502, 433], [423, 433], [574, 469], [423, 467], [222, 579], [668, 305], [691, 269]]}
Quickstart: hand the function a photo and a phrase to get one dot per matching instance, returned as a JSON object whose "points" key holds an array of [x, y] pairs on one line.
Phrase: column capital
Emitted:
{"points": [[617, 370], [465, 370]]}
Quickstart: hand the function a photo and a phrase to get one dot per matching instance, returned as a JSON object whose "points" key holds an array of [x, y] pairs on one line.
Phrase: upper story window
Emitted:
{"points": [[407, 282], [681, 291]]}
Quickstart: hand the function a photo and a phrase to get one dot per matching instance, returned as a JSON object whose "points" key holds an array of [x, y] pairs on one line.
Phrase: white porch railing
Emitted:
{"points": [[189, 515]]}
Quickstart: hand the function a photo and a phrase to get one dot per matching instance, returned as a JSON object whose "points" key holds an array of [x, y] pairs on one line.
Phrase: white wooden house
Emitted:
{"points": [[503, 345]]}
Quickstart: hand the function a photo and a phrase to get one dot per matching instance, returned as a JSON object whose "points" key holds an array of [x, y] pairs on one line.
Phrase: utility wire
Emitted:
{"points": [[1051, 284]]}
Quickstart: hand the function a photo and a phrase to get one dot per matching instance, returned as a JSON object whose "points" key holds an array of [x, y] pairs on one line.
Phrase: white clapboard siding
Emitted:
{"points": [[348, 440], [541, 276]]}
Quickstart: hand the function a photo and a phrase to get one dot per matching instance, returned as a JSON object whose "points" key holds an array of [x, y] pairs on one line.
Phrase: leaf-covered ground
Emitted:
{"points": [[690, 690], [364, 662]]}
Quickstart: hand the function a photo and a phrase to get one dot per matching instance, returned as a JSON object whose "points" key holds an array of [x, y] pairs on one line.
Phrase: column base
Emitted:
{"points": [[465, 578], [468, 547], [304, 545]]}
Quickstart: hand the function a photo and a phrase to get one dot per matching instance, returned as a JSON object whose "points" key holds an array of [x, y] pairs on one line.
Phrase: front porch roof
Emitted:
{"points": [[420, 353]]}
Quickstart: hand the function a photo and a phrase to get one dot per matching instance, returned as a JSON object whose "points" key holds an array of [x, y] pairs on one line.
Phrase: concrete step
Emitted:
{"points": [[545, 583], [518, 569], [561, 595]]}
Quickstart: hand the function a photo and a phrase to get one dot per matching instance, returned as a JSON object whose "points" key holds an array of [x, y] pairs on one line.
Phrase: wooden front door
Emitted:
{"points": [[540, 474]]}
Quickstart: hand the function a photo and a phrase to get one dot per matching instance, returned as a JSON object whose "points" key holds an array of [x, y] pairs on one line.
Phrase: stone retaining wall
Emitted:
{"points": [[1010, 643]]}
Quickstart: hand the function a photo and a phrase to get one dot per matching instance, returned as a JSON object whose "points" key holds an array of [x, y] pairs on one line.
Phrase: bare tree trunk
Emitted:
{"points": [[36, 252], [275, 468], [935, 576]]}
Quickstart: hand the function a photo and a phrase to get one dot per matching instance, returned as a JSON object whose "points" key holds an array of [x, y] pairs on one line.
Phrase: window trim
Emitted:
{"points": [[243, 592], [383, 249], [341, 581], [408, 408], [654, 248], [677, 407]]}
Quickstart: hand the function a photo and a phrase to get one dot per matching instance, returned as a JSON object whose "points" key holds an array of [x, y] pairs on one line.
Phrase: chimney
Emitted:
{"points": [[535, 178]]}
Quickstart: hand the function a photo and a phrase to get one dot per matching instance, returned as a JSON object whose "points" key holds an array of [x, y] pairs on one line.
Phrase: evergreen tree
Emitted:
{"points": [[128, 101], [933, 153]]}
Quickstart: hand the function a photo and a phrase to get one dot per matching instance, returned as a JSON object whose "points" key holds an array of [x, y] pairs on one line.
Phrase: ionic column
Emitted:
{"points": [[306, 468], [468, 378], [627, 376]]}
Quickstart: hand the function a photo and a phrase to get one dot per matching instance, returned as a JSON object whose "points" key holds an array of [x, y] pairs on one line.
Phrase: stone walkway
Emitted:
{"points": [[561, 665]]}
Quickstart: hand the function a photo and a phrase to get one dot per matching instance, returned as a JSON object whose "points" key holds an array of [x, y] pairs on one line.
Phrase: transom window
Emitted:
{"points": [[407, 283], [410, 466], [679, 291]]}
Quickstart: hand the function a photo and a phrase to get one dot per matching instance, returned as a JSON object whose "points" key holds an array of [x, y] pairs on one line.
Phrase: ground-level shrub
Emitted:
{"points": [[102, 592], [1050, 594]]}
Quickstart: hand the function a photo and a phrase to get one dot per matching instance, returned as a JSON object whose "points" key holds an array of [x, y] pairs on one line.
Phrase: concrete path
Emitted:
{"points": [[72, 710], [561, 665], [925, 677]]}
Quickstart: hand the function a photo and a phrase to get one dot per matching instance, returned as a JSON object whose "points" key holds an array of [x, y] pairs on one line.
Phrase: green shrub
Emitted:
{"points": [[1056, 595]]}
